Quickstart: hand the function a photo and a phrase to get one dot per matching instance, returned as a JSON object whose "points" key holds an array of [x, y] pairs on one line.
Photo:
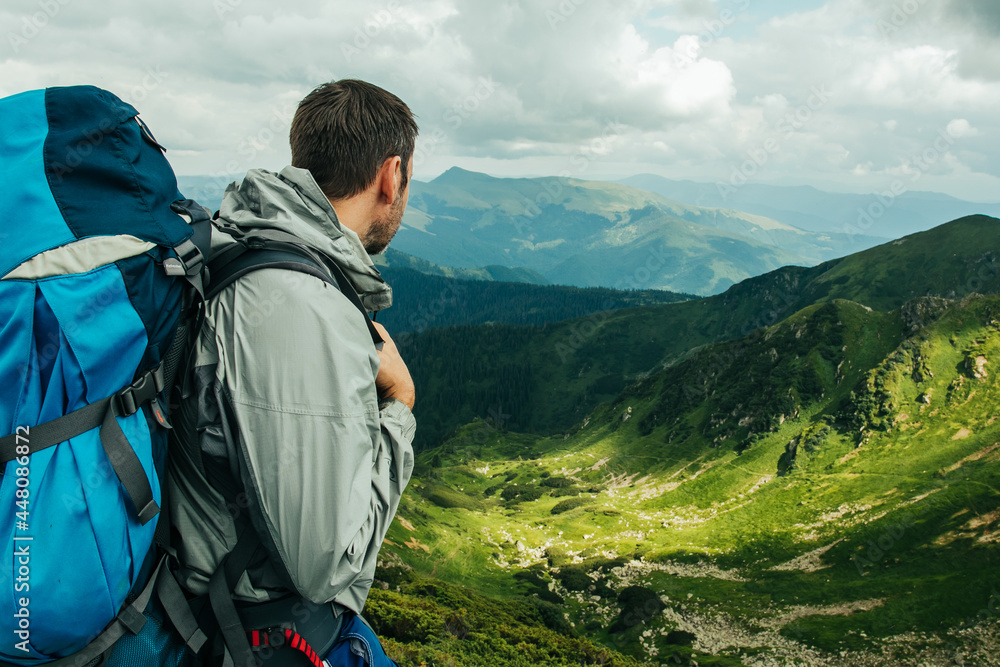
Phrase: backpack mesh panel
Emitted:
{"points": [[156, 645]]}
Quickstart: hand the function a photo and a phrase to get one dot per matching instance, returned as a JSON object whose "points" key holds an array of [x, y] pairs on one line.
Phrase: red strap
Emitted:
{"points": [[261, 638]]}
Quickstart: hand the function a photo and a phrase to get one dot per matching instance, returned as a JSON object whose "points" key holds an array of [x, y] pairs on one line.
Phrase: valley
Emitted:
{"points": [[823, 489]]}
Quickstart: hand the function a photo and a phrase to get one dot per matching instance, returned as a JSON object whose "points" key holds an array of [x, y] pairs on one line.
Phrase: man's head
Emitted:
{"points": [[352, 136]]}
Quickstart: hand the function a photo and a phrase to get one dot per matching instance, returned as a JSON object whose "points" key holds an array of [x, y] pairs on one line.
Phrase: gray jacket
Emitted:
{"points": [[283, 401]]}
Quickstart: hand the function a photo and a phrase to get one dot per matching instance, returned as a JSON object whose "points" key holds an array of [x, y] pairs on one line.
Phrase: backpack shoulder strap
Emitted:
{"points": [[239, 260], [254, 252]]}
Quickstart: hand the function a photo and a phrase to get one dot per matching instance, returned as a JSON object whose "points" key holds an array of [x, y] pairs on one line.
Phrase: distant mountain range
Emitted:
{"points": [[635, 234], [590, 233], [885, 215]]}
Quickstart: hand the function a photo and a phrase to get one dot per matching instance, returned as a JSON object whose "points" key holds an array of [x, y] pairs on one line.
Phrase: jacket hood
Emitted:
{"points": [[291, 201]]}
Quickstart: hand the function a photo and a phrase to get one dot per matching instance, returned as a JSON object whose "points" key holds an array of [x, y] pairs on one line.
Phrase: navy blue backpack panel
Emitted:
{"points": [[93, 148], [86, 308]]}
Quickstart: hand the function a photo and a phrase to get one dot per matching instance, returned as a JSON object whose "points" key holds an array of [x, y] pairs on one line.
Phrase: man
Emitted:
{"points": [[295, 427]]}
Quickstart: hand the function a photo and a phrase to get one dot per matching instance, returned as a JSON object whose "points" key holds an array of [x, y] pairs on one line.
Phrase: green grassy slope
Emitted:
{"points": [[826, 491], [546, 379], [422, 301], [393, 259]]}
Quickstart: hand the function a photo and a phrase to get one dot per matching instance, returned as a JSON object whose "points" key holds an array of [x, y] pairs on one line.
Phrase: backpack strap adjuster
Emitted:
{"points": [[142, 391], [276, 637], [189, 260]]}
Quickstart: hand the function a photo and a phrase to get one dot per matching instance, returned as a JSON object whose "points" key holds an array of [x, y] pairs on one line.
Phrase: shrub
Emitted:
{"points": [[442, 496], [510, 492], [530, 493], [433, 623], [521, 493], [575, 578], [680, 638], [569, 504], [536, 582], [457, 624], [393, 576], [397, 617], [557, 556], [551, 616], [639, 604]]}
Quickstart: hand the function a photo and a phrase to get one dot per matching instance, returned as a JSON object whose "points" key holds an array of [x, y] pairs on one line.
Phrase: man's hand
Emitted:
{"points": [[393, 379]]}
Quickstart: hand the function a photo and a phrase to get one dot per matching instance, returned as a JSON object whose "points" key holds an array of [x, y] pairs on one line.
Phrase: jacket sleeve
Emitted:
{"points": [[322, 465]]}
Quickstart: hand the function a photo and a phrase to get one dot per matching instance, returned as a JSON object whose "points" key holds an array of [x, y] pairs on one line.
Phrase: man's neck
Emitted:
{"points": [[353, 213]]}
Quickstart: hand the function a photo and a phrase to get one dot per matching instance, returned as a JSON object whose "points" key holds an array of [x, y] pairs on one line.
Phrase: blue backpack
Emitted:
{"points": [[98, 274]]}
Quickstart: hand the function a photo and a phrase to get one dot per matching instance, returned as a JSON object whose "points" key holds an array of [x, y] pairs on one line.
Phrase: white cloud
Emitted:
{"points": [[659, 85], [675, 80], [924, 75], [960, 128]]}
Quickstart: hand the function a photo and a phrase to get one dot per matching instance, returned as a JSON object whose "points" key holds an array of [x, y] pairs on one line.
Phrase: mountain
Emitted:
{"points": [[884, 215], [547, 378], [822, 492], [395, 259], [800, 471], [588, 233], [422, 301], [206, 190], [582, 233]]}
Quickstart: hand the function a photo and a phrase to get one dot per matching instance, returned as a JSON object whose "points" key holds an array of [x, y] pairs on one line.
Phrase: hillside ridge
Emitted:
{"points": [[557, 373]]}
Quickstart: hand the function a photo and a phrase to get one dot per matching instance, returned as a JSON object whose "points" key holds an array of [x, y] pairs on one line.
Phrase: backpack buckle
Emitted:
{"points": [[189, 260], [142, 391]]}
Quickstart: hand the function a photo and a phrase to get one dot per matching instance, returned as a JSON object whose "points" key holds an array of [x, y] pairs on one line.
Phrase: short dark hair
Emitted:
{"points": [[343, 131]]}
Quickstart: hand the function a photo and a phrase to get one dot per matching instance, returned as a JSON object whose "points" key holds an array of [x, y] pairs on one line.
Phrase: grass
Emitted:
{"points": [[899, 517]]}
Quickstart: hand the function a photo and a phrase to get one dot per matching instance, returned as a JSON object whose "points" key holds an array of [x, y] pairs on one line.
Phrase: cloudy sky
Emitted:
{"points": [[845, 95]]}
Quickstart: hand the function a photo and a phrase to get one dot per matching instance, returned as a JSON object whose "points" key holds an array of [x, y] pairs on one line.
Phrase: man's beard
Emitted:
{"points": [[383, 229]]}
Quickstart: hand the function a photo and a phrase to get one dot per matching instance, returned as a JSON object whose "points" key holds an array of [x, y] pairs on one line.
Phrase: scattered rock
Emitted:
{"points": [[921, 312], [414, 543], [977, 367], [808, 562], [787, 460]]}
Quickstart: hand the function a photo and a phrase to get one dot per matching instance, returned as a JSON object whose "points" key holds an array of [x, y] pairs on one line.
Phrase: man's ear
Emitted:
{"points": [[389, 178]]}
